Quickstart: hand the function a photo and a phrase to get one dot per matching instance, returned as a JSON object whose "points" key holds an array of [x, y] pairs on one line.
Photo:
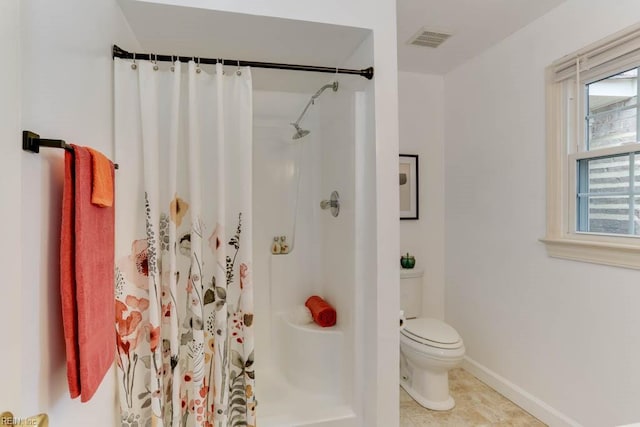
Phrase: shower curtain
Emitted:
{"points": [[184, 299]]}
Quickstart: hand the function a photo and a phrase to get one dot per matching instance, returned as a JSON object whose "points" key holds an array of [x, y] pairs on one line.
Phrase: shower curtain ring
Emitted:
{"points": [[198, 66], [155, 62], [134, 66], [173, 67], [222, 62], [238, 72]]}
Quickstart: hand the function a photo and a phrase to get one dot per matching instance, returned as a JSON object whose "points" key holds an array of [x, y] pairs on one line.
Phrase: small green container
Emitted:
{"points": [[407, 261]]}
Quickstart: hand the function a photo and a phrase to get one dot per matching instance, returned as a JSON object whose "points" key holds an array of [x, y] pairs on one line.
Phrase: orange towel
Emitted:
{"points": [[322, 312], [86, 279], [68, 278], [102, 177]]}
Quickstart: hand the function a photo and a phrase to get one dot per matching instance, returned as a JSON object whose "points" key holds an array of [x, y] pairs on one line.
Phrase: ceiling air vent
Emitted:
{"points": [[428, 38]]}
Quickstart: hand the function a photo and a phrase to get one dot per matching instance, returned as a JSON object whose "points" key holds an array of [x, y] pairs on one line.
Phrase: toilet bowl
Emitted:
{"points": [[429, 348]]}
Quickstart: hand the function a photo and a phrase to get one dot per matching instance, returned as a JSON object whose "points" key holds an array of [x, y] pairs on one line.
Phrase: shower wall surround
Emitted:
{"points": [[290, 179]]}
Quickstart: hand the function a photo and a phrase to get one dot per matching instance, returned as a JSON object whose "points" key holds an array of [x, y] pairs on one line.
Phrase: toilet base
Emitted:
{"points": [[444, 405]]}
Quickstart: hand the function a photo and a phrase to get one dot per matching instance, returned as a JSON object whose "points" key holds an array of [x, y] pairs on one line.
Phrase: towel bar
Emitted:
{"points": [[32, 142]]}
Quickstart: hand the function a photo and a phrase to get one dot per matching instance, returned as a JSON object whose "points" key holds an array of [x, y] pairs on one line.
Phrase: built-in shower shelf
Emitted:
{"points": [[311, 327]]}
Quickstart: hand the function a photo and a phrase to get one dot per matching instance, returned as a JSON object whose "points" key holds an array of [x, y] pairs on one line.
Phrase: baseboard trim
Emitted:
{"points": [[520, 397]]}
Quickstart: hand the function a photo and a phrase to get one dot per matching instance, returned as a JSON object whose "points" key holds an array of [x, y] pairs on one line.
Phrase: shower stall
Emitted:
{"points": [[313, 157], [305, 373]]}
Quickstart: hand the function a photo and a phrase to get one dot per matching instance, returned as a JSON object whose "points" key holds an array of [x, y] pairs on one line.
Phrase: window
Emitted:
{"points": [[593, 153], [608, 184]]}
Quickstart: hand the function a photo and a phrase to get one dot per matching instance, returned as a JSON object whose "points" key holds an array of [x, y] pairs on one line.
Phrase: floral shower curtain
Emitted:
{"points": [[184, 299]]}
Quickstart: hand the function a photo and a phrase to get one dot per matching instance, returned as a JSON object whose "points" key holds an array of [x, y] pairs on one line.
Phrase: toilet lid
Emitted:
{"points": [[433, 330]]}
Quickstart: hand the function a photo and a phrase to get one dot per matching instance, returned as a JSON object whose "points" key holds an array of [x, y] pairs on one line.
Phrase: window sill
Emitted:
{"points": [[613, 254]]}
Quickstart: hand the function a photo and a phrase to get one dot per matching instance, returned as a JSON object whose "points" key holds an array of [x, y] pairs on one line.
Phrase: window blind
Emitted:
{"points": [[604, 57]]}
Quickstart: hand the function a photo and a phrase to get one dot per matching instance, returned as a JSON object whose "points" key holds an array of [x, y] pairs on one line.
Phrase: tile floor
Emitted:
{"points": [[476, 405]]}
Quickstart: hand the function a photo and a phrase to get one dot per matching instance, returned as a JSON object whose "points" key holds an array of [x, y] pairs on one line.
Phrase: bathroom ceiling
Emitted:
{"points": [[166, 29], [475, 25]]}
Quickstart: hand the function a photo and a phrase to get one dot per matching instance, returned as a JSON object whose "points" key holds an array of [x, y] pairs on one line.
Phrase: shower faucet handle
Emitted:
{"points": [[333, 203], [326, 204]]}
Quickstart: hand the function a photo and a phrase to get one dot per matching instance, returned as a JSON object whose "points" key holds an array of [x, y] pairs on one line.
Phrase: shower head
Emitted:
{"points": [[300, 133]]}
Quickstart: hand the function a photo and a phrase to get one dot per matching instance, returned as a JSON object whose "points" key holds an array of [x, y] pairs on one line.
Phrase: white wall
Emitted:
{"points": [[10, 214], [566, 332], [66, 93], [322, 261], [367, 303], [421, 120]]}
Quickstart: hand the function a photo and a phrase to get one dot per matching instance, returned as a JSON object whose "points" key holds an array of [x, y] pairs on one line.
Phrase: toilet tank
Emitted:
{"points": [[411, 292]]}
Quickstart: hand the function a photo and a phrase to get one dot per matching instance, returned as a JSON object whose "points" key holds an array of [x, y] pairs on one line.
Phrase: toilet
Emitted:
{"points": [[429, 348]]}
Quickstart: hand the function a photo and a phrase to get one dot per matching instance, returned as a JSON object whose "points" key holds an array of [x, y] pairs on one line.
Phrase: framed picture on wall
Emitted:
{"points": [[408, 186]]}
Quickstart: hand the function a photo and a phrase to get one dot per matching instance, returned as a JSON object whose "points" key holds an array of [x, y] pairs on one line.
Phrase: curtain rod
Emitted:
{"points": [[118, 52]]}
